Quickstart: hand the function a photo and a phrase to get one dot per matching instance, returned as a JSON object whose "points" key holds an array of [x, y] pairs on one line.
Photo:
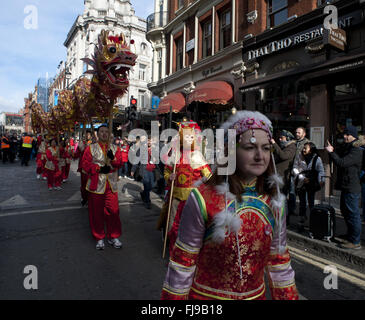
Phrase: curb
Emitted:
{"points": [[328, 251]]}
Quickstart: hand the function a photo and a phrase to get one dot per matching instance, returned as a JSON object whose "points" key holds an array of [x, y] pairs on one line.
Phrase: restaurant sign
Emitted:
{"points": [[335, 38], [306, 36]]}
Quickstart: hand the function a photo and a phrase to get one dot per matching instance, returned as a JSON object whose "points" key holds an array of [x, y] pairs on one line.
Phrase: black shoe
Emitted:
{"points": [[83, 202], [148, 205]]}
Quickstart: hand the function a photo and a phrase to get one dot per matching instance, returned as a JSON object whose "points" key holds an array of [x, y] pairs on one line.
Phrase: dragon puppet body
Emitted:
{"points": [[111, 63]]}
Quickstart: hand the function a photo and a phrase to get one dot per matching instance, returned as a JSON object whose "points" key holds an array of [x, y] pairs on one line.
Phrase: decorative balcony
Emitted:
{"points": [[157, 20]]}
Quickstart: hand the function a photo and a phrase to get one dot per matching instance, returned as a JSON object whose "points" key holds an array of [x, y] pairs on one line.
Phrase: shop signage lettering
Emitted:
{"points": [[302, 37], [196, 96], [207, 72], [285, 43]]}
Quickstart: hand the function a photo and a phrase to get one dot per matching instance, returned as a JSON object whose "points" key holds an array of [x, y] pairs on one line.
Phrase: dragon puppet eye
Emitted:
{"points": [[112, 50]]}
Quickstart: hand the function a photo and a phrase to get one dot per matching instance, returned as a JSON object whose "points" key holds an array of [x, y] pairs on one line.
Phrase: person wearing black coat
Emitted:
{"points": [[284, 154], [348, 181]]}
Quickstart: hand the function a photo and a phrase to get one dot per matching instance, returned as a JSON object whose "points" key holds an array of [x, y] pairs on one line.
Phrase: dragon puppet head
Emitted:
{"points": [[112, 61]]}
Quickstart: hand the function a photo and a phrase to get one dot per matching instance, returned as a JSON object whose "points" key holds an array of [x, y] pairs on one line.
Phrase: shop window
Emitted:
{"points": [[207, 38], [278, 12], [286, 105], [179, 53], [225, 38], [349, 114]]}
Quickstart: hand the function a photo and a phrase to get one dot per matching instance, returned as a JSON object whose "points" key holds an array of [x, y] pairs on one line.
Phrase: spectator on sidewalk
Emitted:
{"points": [[148, 178], [300, 134], [348, 181], [5, 147], [284, 153], [361, 143], [125, 150], [308, 173], [13, 147]]}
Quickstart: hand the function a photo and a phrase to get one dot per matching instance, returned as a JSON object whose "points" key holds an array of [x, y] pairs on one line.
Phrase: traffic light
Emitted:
{"points": [[133, 109], [133, 102]]}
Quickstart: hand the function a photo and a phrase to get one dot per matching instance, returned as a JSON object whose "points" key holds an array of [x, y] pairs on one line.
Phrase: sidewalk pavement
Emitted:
{"points": [[20, 190]]}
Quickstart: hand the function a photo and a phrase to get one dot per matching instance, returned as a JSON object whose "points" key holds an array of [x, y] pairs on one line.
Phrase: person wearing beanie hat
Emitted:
{"points": [[351, 131], [349, 164], [233, 226]]}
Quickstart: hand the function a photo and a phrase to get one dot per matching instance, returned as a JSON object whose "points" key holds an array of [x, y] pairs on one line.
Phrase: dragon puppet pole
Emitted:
{"points": [[170, 198], [110, 129]]}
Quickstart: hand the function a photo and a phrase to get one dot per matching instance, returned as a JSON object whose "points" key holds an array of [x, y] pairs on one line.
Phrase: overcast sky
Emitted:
{"points": [[27, 54]]}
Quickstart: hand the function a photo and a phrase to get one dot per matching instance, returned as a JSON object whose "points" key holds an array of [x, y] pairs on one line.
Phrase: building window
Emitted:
{"points": [[142, 72], [179, 53], [143, 48], [159, 62], [180, 4], [278, 12], [141, 99], [225, 38], [207, 38], [102, 13], [321, 3]]}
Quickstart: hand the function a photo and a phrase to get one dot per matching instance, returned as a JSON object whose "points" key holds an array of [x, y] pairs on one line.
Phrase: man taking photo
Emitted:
{"points": [[348, 181]]}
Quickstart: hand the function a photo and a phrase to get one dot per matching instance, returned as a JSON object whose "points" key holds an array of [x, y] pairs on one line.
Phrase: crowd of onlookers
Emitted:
{"points": [[298, 162]]}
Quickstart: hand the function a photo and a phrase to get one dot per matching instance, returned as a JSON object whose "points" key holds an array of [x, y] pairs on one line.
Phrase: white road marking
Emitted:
{"points": [[56, 209], [346, 273]]}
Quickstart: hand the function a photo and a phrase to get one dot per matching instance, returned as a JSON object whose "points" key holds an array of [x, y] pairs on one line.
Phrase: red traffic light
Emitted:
{"points": [[133, 102]]}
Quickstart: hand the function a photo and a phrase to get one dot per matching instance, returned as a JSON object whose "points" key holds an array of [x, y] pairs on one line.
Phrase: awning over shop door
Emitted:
{"points": [[175, 99], [215, 92]]}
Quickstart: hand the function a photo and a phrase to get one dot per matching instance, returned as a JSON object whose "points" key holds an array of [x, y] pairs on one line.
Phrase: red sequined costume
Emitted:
{"points": [[54, 174], [190, 168], [201, 268]]}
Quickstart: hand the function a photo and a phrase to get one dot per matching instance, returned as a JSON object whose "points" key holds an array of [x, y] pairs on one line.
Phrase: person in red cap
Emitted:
{"points": [[101, 162]]}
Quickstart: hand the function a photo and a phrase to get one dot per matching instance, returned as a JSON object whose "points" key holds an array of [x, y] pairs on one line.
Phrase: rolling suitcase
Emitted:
{"points": [[322, 221]]}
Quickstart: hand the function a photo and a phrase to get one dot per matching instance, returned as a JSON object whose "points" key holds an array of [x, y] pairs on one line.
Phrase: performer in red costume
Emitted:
{"points": [[191, 167], [41, 158], [66, 155], [233, 227], [54, 174], [101, 166], [78, 155]]}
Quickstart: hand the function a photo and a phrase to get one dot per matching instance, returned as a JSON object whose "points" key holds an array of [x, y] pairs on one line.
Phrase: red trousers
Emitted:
{"points": [[54, 178], [66, 171], [84, 192], [104, 209]]}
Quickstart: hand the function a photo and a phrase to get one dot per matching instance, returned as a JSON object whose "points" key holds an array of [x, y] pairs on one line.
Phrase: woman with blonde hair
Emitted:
{"points": [[233, 227]]}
